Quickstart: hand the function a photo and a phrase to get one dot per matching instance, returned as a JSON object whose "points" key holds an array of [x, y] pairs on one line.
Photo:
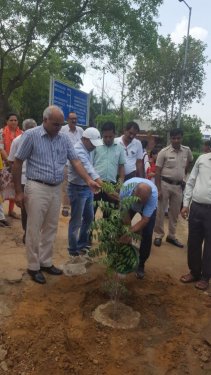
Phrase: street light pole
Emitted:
{"points": [[184, 65], [103, 88]]}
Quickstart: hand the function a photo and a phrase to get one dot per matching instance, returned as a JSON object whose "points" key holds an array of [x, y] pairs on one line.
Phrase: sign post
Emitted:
{"points": [[70, 99]]}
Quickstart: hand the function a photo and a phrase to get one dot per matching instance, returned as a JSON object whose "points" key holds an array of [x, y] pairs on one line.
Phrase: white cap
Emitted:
{"points": [[93, 135]]}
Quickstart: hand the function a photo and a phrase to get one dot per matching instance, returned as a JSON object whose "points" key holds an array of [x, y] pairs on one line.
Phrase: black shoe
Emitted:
{"points": [[73, 253], [174, 242], [24, 238], [37, 276], [140, 273], [158, 242], [52, 270], [4, 223]]}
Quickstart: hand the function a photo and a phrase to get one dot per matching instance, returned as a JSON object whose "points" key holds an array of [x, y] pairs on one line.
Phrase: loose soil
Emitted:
{"points": [[49, 329]]}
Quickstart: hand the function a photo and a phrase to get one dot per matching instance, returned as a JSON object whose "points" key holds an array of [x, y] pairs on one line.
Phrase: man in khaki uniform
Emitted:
{"points": [[171, 167]]}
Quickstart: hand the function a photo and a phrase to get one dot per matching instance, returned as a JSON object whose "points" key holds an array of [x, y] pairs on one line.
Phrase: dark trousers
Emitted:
{"points": [[146, 239], [105, 198], [130, 175], [199, 240], [23, 215]]}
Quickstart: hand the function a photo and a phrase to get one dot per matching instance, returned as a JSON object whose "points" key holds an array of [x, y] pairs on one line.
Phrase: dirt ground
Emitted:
{"points": [[49, 329]]}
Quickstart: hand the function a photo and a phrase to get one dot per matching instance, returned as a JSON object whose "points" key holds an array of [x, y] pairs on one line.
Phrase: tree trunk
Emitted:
{"points": [[4, 109]]}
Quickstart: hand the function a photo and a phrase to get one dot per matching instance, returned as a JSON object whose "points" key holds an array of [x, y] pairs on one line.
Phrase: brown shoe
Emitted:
{"points": [[202, 284], [189, 278]]}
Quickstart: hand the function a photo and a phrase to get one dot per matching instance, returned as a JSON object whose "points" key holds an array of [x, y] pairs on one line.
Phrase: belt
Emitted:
{"points": [[205, 205], [78, 185], [42, 182], [171, 182]]}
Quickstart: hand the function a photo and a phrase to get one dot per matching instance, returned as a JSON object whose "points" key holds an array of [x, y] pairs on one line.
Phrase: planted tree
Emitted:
{"points": [[120, 258]]}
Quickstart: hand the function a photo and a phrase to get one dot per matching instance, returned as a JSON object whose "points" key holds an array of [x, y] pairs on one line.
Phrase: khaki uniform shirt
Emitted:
{"points": [[174, 162]]}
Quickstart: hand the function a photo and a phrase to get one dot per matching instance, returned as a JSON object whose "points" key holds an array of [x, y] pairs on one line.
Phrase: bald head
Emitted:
{"points": [[53, 119], [143, 191]]}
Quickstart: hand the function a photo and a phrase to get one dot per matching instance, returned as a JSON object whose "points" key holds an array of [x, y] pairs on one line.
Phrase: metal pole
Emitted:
{"points": [[102, 96], [184, 66]]}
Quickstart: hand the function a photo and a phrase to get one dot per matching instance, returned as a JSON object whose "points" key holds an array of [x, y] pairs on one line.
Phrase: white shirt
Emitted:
{"points": [[11, 157], [133, 152], [198, 186], [74, 136]]}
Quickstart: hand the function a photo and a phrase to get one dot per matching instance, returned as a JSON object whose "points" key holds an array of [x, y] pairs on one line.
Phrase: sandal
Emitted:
{"points": [[202, 284], [188, 278]]}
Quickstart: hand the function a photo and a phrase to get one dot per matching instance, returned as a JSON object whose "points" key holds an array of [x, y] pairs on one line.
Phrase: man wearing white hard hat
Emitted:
{"points": [[80, 195]]}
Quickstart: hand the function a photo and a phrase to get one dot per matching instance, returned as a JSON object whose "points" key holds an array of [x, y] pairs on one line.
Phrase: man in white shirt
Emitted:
{"points": [[27, 124], [133, 151], [75, 133], [198, 196]]}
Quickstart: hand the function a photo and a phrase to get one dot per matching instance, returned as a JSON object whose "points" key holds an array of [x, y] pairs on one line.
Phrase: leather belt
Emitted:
{"points": [[171, 182], [42, 182], [205, 205]]}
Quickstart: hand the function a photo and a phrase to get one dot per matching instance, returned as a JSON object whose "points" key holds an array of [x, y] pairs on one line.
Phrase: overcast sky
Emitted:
{"points": [[173, 16]]}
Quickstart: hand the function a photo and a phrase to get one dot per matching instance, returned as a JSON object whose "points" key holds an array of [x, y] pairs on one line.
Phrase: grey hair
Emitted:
{"points": [[29, 122], [49, 110]]}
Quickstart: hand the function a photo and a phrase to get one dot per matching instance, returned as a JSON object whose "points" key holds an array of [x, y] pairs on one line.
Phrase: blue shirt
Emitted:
{"points": [[150, 206], [45, 156], [85, 157]]}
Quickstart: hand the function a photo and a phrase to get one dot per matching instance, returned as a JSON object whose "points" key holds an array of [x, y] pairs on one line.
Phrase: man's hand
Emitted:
{"points": [[114, 196], [19, 199], [125, 239], [95, 186], [185, 212]]}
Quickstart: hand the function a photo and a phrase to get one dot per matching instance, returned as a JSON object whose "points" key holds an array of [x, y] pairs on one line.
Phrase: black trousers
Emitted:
{"points": [[146, 239], [199, 240]]}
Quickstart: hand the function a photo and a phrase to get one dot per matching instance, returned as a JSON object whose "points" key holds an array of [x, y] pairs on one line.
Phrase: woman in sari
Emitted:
{"points": [[7, 135]]}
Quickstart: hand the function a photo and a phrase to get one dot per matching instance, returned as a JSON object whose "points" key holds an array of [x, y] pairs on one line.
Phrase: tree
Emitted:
{"points": [[155, 83], [191, 126], [116, 117], [192, 136], [32, 97], [31, 28]]}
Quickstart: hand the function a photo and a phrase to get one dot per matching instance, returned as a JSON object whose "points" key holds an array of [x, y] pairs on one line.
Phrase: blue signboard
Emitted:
{"points": [[70, 99]]}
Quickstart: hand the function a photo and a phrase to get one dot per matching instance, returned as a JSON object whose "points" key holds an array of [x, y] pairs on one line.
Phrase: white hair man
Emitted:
{"points": [[46, 150]]}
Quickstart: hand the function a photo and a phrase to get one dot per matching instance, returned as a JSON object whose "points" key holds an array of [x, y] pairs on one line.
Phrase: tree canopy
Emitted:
{"points": [[155, 83], [31, 28]]}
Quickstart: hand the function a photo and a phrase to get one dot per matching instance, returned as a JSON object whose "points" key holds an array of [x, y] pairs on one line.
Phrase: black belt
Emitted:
{"points": [[205, 205], [42, 182], [78, 185], [171, 182]]}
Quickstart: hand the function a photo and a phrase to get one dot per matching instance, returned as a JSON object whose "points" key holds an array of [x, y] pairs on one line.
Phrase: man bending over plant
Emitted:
{"points": [[146, 205]]}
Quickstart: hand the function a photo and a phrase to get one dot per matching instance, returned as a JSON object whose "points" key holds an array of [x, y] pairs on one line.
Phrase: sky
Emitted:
{"points": [[173, 16]]}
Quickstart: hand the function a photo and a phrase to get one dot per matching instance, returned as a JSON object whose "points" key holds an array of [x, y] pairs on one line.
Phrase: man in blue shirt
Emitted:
{"points": [[147, 193], [46, 151], [80, 194]]}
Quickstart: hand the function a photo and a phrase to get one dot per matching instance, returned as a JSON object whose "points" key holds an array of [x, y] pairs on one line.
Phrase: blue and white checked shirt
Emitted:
{"points": [[150, 206], [85, 157], [45, 156]]}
